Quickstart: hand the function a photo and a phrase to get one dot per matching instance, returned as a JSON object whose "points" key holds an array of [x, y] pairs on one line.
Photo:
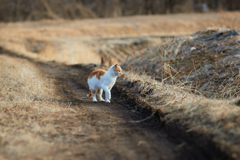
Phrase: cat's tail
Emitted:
{"points": [[90, 94]]}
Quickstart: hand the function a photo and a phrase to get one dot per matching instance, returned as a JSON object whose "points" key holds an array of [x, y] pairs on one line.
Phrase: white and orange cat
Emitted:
{"points": [[102, 80]]}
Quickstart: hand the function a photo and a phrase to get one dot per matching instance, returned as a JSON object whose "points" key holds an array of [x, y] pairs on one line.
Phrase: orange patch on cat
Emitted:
{"points": [[98, 73], [117, 68], [98, 91]]}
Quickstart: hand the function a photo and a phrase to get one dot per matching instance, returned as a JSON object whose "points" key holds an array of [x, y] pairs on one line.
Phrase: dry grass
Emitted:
{"points": [[68, 41], [31, 110], [179, 76], [205, 62], [218, 120]]}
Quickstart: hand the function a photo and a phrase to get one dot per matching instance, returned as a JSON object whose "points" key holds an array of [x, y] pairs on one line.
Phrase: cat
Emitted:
{"points": [[102, 80]]}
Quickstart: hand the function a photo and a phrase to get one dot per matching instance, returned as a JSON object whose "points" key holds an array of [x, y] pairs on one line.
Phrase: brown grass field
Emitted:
{"points": [[45, 114], [28, 107], [66, 41]]}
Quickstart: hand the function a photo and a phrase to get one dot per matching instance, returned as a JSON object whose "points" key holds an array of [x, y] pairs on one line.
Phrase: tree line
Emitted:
{"points": [[28, 10]]}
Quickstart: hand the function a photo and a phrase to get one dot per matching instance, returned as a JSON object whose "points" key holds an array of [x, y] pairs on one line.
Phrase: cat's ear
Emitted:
{"points": [[116, 65]]}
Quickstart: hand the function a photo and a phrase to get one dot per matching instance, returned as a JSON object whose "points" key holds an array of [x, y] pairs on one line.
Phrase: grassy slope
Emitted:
{"points": [[206, 62], [179, 100]]}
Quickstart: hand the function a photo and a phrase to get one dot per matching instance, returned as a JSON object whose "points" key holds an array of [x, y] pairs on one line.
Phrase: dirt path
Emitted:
{"points": [[104, 131], [106, 134]]}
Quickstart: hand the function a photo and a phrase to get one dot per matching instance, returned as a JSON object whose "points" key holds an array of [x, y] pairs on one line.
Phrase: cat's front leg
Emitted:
{"points": [[110, 95], [107, 95]]}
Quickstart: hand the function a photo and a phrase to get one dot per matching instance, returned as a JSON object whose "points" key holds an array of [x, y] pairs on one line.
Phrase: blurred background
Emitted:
{"points": [[26, 10]]}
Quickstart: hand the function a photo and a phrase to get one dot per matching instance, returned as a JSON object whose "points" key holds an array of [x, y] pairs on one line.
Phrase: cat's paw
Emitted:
{"points": [[94, 101], [102, 100], [107, 101]]}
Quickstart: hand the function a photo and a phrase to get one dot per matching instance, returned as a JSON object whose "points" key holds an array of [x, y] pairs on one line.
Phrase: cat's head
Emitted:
{"points": [[117, 69]]}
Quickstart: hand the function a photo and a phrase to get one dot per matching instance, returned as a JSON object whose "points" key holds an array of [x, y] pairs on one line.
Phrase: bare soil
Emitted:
{"points": [[108, 131]]}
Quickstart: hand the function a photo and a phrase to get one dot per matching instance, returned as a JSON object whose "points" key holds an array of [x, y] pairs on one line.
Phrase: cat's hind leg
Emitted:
{"points": [[99, 95], [94, 96]]}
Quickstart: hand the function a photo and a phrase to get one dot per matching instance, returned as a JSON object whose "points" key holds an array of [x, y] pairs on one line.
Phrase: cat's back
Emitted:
{"points": [[97, 74]]}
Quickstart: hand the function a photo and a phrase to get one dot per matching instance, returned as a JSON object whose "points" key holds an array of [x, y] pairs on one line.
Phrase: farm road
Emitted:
{"points": [[103, 131]]}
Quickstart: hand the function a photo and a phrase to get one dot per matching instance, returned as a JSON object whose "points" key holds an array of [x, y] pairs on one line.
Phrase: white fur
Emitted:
{"points": [[105, 84]]}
